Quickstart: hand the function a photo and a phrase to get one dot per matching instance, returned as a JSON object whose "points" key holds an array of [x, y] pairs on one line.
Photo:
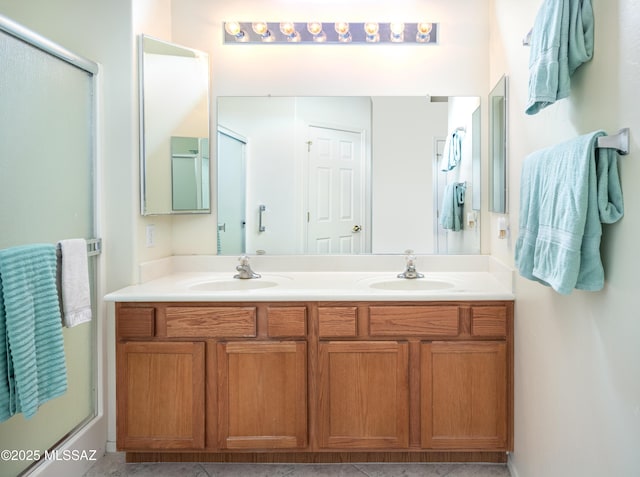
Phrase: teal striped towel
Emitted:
{"points": [[566, 193], [32, 365]]}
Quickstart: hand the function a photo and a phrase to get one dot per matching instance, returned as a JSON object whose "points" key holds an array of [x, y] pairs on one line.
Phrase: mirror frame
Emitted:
{"points": [[498, 163], [144, 166]]}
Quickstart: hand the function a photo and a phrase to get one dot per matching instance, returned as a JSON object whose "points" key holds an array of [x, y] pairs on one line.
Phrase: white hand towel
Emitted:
{"points": [[74, 282]]}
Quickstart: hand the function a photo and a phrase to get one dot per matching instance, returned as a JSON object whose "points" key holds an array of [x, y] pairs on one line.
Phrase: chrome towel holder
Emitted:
{"points": [[618, 141]]}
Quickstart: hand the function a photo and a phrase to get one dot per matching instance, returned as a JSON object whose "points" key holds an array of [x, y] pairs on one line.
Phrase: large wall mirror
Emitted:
{"points": [[174, 129], [347, 175], [498, 147]]}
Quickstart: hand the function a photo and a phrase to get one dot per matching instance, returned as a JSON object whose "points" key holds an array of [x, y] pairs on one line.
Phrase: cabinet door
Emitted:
{"points": [[364, 394], [160, 395], [262, 395], [464, 395]]}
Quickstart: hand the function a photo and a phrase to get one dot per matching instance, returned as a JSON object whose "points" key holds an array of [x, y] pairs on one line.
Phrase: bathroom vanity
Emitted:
{"points": [[283, 373]]}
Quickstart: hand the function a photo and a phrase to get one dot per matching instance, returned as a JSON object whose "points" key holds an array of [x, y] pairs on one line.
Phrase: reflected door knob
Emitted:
{"points": [[356, 228]]}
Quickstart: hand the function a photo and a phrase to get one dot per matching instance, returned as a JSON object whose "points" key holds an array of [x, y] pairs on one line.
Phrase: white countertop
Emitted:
{"points": [[485, 281]]}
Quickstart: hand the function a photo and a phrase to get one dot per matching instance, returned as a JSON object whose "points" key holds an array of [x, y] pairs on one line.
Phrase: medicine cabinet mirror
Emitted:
{"points": [[498, 147], [174, 129]]}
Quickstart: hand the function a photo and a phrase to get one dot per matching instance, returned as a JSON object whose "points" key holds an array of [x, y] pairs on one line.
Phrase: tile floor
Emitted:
{"points": [[113, 465]]}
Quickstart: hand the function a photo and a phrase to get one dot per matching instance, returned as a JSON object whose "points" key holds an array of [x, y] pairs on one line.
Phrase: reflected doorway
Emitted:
{"points": [[439, 184]]}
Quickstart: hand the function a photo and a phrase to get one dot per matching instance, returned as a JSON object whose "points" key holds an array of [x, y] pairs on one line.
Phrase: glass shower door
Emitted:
{"points": [[47, 169]]}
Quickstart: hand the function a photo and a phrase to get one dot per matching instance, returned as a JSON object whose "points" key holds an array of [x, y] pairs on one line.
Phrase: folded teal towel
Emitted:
{"points": [[452, 206], [32, 368], [566, 193], [561, 40]]}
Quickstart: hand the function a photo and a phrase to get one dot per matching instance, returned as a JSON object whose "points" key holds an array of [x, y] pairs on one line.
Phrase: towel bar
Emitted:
{"points": [[618, 141]]}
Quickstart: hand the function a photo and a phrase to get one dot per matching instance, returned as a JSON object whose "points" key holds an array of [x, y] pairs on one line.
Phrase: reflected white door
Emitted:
{"points": [[335, 191], [231, 194]]}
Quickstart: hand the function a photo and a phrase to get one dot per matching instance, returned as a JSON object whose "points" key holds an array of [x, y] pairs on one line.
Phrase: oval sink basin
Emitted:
{"points": [[417, 284], [232, 285]]}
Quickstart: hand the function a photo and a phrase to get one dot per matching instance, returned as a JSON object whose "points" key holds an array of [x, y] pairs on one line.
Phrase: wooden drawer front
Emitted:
{"points": [[210, 321], [337, 321], [414, 320], [489, 321], [135, 322], [286, 321]]}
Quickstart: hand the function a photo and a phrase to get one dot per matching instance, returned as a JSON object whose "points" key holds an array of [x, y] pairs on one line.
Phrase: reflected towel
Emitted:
{"points": [[74, 282], [561, 40], [452, 154], [32, 368], [566, 193], [452, 206]]}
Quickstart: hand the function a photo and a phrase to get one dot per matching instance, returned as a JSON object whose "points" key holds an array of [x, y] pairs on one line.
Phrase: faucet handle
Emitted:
{"points": [[244, 260], [410, 258]]}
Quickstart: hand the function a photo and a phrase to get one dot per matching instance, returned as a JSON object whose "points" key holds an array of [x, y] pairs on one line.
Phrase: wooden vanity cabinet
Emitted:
{"points": [[413, 380], [262, 395], [464, 395], [210, 376], [363, 395], [160, 397]]}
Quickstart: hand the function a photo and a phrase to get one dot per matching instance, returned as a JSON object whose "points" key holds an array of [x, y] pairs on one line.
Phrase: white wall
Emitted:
{"points": [[577, 357]]}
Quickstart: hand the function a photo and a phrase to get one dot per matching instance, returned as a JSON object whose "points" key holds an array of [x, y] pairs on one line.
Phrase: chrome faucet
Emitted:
{"points": [[244, 269], [410, 271]]}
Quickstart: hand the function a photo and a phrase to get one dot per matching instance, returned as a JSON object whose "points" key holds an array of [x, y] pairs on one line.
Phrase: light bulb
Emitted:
{"points": [[314, 28], [232, 28], [423, 34], [396, 28], [342, 28], [371, 32], [396, 34], [260, 28], [235, 30], [287, 28], [371, 28], [424, 28]]}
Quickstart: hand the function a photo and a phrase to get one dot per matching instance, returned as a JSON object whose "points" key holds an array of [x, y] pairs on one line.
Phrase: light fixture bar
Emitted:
{"points": [[301, 33]]}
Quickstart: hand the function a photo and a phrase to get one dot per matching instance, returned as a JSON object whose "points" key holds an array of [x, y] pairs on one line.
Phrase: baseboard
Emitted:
{"points": [[511, 466], [316, 457]]}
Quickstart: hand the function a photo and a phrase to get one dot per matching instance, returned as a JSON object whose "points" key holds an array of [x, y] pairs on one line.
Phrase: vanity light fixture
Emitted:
{"points": [[341, 32]]}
